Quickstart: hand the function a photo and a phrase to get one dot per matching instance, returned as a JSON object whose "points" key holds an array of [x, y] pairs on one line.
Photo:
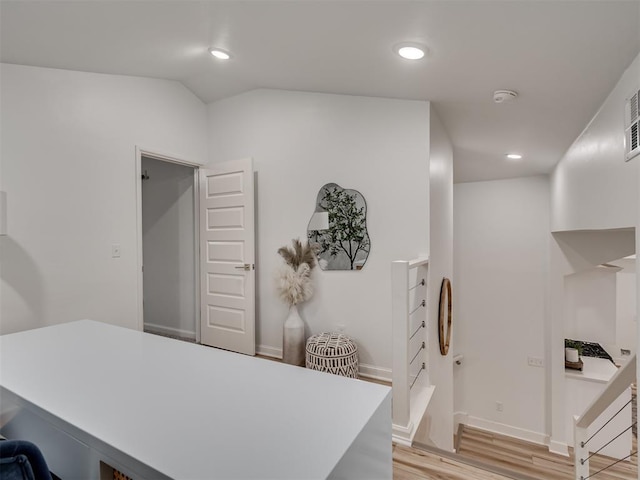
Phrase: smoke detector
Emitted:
{"points": [[504, 96]]}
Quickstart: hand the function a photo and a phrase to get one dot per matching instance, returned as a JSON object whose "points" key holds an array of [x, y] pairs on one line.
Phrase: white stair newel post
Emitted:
{"points": [[580, 435], [410, 397], [400, 329]]}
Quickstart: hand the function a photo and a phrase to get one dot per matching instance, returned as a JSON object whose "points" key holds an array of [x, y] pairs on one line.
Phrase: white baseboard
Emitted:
{"points": [[460, 418], [268, 351], [364, 370], [559, 448], [163, 330], [508, 430], [403, 435], [375, 373]]}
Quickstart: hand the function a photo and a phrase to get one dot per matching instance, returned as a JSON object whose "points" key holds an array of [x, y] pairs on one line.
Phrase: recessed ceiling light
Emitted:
{"points": [[410, 51], [219, 53], [514, 156]]}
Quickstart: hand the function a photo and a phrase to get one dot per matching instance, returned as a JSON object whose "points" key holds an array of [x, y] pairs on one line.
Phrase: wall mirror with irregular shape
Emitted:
{"points": [[338, 229]]}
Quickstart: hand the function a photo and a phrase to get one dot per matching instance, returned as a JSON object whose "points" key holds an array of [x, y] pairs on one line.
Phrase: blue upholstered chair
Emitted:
{"points": [[20, 460]]}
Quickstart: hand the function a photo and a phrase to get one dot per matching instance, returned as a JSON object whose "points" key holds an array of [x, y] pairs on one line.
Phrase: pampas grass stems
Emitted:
{"points": [[294, 277]]}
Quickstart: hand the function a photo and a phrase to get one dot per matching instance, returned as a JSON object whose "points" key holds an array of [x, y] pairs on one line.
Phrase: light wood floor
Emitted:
{"points": [[490, 453], [483, 454], [535, 461], [418, 464], [414, 464]]}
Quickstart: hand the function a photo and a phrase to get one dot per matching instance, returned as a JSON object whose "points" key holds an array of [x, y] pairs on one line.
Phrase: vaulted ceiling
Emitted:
{"points": [[562, 57]]}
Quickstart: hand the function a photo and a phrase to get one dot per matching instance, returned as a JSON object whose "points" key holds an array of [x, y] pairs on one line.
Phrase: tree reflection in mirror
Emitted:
{"points": [[338, 229]]}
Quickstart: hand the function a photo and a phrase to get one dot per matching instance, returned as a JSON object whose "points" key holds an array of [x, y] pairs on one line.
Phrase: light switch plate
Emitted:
{"points": [[535, 362]]}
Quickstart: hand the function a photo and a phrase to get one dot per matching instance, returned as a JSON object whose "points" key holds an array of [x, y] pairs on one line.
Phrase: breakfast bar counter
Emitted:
{"points": [[93, 395]]}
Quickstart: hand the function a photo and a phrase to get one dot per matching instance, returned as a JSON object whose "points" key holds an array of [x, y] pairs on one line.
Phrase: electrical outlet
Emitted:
{"points": [[341, 327], [499, 406], [535, 362]]}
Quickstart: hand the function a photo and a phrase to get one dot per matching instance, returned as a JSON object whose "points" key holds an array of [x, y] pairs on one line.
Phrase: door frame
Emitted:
{"points": [[143, 152]]}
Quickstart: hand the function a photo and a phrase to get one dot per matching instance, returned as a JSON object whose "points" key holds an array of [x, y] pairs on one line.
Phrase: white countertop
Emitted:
{"points": [[187, 410], [594, 369]]}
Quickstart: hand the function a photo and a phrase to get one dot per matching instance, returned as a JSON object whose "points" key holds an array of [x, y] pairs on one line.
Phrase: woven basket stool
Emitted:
{"points": [[333, 353]]}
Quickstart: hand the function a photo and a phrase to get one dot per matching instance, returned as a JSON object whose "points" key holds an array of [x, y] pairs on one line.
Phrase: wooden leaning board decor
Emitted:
{"points": [[444, 309]]}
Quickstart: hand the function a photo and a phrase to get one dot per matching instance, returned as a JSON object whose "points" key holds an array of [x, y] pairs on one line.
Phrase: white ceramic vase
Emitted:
{"points": [[571, 355], [293, 344]]}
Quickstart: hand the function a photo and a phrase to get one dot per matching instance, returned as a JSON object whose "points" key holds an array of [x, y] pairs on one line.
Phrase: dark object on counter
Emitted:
{"points": [[574, 365], [589, 349]]}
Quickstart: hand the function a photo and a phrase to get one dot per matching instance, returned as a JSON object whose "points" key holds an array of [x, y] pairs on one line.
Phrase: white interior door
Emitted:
{"points": [[227, 257]]}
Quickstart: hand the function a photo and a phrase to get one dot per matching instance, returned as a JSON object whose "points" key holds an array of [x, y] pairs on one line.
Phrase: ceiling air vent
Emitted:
{"points": [[632, 126]]}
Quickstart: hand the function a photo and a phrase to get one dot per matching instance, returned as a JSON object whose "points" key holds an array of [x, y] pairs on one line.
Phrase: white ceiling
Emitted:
{"points": [[563, 57]]}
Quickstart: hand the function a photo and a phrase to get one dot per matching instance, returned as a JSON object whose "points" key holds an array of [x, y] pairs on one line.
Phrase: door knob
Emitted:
{"points": [[246, 267]]}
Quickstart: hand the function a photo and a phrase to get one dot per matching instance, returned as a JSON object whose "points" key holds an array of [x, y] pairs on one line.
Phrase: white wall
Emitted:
{"points": [[501, 251], [593, 187], [637, 269], [572, 252], [168, 233], [590, 305], [440, 266], [301, 141], [68, 167], [626, 311]]}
